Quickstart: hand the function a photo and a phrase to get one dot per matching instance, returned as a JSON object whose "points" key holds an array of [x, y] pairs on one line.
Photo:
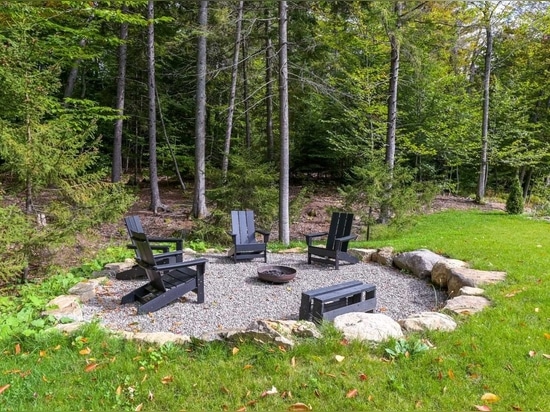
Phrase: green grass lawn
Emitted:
{"points": [[496, 360]]}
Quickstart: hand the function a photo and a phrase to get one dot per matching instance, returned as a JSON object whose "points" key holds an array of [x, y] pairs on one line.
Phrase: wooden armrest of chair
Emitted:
{"points": [[346, 238], [177, 241], [185, 263], [264, 233], [311, 236]]}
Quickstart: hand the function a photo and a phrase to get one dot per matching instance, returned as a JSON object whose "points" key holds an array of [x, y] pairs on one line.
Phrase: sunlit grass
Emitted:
{"points": [[502, 350]]}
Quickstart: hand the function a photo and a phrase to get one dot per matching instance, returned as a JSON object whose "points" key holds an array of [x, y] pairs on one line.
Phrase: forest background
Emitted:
{"points": [[235, 101]]}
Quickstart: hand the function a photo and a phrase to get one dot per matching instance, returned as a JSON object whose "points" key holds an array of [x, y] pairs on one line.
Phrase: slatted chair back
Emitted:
{"points": [[340, 226], [147, 259], [133, 224], [242, 225]]}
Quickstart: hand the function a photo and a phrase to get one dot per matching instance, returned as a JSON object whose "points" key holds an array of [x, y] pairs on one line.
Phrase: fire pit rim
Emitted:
{"points": [[287, 273]]}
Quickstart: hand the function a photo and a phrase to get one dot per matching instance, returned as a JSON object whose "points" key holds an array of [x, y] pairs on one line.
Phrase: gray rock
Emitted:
{"points": [[419, 262], [428, 321], [470, 291], [65, 306], [364, 255], [441, 270], [383, 256], [371, 327], [467, 305], [461, 276]]}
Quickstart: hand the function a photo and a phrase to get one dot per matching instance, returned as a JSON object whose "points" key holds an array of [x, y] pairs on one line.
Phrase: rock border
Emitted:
{"points": [[463, 284]]}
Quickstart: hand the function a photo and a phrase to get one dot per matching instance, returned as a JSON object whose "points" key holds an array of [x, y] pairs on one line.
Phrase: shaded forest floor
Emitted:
{"points": [[314, 217]]}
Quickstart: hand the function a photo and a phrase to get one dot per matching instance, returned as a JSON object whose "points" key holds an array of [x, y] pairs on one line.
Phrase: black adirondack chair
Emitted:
{"points": [[243, 233], [162, 244], [338, 238], [167, 282]]}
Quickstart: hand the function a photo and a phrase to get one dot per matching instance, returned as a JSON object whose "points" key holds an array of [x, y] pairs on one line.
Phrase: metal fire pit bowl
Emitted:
{"points": [[276, 274]]}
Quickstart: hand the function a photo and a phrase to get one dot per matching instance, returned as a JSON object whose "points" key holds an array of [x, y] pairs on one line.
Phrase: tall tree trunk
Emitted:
{"points": [[392, 107], [247, 124], [269, 89], [151, 86], [232, 93], [483, 169], [199, 197], [284, 219], [116, 172]]}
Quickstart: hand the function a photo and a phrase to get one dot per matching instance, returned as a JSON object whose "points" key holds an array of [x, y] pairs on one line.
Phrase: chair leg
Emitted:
{"points": [[200, 286], [309, 258]]}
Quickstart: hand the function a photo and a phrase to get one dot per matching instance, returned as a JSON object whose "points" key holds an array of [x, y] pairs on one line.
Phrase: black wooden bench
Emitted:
{"points": [[328, 302]]}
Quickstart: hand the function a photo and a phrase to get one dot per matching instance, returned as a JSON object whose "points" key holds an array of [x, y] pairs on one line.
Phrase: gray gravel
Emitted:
{"points": [[235, 297]]}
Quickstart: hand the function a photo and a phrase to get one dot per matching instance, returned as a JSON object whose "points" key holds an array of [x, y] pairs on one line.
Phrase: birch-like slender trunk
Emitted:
{"points": [[232, 93], [269, 90], [156, 204], [116, 171], [199, 196], [284, 219], [484, 168]]}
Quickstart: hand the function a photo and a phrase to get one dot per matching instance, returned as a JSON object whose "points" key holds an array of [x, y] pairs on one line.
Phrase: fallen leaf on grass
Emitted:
{"points": [[241, 409], [17, 349], [119, 390], [247, 367], [545, 355], [235, 351], [139, 407], [339, 358], [85, 351], [490, 397], [167, 379], [532, 353], [293, 362], [483, 408], [90, 367], [225, 390], [3, 388], [299, 407], [363, 377], [352, 393], [547, 335]]}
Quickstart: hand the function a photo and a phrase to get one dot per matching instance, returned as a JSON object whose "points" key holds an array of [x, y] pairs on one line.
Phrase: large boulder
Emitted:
{"points": [[419, 262], [441, 270], [372, 327], [461, 276], [383, 256], [423, 321]]}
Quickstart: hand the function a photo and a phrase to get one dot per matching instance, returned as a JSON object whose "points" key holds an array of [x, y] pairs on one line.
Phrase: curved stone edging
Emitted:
{"points": [[455, 275]]}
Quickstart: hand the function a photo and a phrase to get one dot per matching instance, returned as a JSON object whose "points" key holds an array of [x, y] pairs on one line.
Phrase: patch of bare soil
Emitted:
{"points": [[315, 217]]}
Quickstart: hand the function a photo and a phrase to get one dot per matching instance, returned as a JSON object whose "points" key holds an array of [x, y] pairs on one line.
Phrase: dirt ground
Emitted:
{"points": [[315, 217]]}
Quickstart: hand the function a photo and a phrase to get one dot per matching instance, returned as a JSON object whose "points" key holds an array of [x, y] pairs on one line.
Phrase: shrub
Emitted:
{"points": [[515, 202]]}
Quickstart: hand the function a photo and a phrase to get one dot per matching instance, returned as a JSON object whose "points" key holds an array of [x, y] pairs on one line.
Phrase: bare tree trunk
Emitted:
{"points": [[483, 170], [151, 83], [199, 198], [392, 108], [269, 90], [284, 219], [116, 171], [73, 74], [248, 128], [232, 93]]}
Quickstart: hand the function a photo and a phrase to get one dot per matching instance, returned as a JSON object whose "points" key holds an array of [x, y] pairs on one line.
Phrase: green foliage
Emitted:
{"points": [[515, 202], [406, 348], [369, 194], [250, 185], [15, 232]]}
